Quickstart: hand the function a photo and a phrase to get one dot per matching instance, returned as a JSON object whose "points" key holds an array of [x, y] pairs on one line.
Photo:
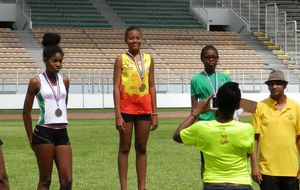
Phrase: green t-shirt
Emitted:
{"points": [[201, 88], [225, 148]]}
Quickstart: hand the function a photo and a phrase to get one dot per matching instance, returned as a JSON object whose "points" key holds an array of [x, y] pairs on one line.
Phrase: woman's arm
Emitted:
{"points": [[33, 89], [120, 124], [67, 85], [194, 101], [256, 175], [152, 91], [201, 107]]}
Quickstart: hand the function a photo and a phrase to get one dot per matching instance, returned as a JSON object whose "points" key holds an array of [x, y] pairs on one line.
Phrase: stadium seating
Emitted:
{"points": [[163, 14], [176, 52], [15, 62], [65, 14], [13, 55], [170, 34]]}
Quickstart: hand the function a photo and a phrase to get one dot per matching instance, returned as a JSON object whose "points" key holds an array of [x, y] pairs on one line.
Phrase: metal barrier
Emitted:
{"points": [[271, 14], [93, 82], [281, 31], [292, 48]]}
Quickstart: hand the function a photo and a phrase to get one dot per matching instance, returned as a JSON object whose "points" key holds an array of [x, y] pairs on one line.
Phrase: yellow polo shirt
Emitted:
{"points": [[278, 154]]}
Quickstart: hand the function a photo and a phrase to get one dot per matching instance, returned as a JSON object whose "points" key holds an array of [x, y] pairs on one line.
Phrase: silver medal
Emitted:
{"points": [[58, 112]]}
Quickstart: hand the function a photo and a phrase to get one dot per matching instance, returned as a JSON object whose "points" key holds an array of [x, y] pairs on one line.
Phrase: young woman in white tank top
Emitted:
{"points": [[49, 140]]}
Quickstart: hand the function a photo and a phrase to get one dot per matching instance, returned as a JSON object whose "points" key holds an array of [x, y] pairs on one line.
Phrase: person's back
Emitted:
{"points": [[226, 143], [225, 147]]}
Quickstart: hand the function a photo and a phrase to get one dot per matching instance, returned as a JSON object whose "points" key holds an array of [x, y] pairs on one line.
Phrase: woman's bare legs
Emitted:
{"points": [[124, 149], [142, 129], [44, 154], [4, 185], [63, 161]]}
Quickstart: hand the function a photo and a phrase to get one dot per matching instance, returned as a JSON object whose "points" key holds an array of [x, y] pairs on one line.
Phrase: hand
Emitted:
{"points": [[256, 175], [30, 141], [298, 174], [120, 124], [31, 145], [202, 106], [154, 122]]}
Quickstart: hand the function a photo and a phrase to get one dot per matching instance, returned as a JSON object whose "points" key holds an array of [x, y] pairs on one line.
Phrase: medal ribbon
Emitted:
{"points": [[215, 90], [56, 96], [142, 69]]}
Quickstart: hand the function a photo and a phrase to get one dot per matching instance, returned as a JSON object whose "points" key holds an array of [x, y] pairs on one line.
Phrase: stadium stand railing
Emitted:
{"points": [[283, 31]]}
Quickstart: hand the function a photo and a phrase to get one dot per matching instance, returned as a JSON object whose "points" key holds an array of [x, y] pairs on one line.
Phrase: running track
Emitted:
{"points": [[99, 115]]}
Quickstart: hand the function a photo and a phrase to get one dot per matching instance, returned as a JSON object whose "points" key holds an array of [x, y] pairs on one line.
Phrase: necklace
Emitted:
{"points": [[214, 89], [141, 70], [58, 112]]}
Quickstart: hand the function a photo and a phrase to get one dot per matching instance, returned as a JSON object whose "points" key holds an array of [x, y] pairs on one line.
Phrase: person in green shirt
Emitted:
{"points": [[208, 81], [226, 143]]}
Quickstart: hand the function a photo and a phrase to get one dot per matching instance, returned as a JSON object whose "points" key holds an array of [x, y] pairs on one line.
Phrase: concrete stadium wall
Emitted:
{"points": [[13, 13], [221, 16], [7, 12], [15, 101]]}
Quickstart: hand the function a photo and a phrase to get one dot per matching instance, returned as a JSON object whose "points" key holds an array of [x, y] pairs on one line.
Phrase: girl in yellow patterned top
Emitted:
{"points": [[135, 104]]}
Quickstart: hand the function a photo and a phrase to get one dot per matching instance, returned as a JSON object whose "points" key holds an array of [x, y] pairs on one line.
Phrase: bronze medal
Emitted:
{"points": [[141, 70], [58, 112], [142, 88]]}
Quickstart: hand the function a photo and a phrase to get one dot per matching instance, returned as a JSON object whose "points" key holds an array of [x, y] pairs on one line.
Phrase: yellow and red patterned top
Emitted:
{"points": [[134, 98]]}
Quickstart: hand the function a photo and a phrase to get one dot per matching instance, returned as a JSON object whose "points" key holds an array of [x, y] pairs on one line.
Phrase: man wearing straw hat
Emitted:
{"points": [[277, 136]]}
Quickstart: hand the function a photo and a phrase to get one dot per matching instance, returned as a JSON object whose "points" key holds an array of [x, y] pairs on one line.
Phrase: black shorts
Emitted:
{"points": [[279, 182], [136, 117], [1, 142], [44, 135]]}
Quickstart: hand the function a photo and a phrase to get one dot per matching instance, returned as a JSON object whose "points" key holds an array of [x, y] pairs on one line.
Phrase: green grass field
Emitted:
{"points": [[171, 166]]}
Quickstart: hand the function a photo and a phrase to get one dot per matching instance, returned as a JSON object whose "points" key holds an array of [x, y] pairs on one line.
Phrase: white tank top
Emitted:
{"points": [[47, 102]]}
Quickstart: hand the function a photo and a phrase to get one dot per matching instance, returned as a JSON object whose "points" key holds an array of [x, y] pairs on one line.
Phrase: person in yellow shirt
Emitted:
{"points": [[277, 136], [135, 105]]}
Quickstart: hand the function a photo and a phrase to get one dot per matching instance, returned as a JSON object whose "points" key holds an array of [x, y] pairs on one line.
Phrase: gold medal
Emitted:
{"points": [[142, 88], [58, 112]]}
